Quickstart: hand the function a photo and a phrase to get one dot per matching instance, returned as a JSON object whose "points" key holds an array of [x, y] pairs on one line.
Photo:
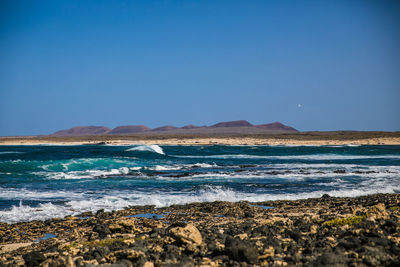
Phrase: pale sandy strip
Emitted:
{"points": [[12, 247]]}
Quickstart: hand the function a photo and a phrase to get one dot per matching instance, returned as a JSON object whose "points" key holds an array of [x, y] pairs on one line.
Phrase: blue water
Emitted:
{"points": [[147, 215], [40, 182], [45, 237]]}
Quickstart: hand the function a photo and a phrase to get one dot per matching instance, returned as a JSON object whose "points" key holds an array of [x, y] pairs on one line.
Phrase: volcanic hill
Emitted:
{"points": [[227, 127]]}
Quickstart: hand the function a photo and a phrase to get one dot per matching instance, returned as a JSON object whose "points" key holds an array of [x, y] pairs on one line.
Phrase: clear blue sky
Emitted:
{"points": [[68, 63]]}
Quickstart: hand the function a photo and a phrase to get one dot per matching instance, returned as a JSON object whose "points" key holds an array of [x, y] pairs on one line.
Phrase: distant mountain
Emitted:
{"points": [[191, 126], [165, 128], [83, 130], [129, 129], [240, 123], [240, 127], [276, 126]]}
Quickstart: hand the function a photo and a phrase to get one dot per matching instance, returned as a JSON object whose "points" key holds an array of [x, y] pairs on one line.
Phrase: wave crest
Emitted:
{"points": [[118, 200], [149, 148]]}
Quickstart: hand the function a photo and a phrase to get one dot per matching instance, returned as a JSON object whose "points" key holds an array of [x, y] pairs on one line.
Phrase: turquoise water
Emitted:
{"points": [[40, 182]]}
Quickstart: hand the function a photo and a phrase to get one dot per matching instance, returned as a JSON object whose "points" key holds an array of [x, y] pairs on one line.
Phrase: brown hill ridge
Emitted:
{"points": [[129, 129], [239, 126], [165, 128], [240, 123], [191, 126], [276, 126], [83, 130]]}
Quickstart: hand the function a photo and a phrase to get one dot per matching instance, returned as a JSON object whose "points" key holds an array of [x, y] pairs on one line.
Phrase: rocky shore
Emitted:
{"points": [[362, 231]]}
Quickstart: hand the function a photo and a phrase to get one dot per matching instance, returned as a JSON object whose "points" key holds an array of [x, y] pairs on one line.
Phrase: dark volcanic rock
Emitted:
{"points": [[34, 258], [240, 250], [129, 129], [240, 123], [83, 130], [102, 229], [331, 259], [326, 231], [376, 256], [340, 171]]}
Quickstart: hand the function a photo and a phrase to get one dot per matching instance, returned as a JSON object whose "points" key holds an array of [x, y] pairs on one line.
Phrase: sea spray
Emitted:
{"points": [[149, 148], [54, 181]]}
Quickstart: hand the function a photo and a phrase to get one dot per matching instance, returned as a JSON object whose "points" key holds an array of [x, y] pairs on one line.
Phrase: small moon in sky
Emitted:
{"points": [[299, 105]]}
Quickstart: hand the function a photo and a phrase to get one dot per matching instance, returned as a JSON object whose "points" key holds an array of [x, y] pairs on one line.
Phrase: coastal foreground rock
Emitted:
{"points": [[362, 231]]}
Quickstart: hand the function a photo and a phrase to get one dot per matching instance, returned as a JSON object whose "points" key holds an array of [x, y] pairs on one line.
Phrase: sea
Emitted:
{"points": [[45, 181]]}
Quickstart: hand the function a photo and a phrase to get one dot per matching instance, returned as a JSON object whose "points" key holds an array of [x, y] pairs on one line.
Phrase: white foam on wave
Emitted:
{"points": [[123, 167], [301, 172], [149, 148], [113, 201], [312, 175], [291, 176], [85, 163], [11, 152], [163, 168], [120, 199], [12, 161], [87, 174], [334, 166], [316, 165], [300, 157], [96, 173], [27, 213], [351, 192], [204, 165], [346, 145], [26, 194], [179, 166]]}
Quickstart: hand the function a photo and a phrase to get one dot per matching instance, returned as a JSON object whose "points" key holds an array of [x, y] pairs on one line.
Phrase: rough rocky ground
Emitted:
{"points": [[363, 231]]}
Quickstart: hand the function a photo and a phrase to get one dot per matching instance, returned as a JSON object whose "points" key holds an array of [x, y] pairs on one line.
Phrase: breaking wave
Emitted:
{"points": [[299, 157], [53, 181], [119, 200], [149, 148]]}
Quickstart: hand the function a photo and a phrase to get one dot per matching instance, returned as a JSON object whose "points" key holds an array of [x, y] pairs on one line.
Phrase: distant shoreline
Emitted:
{"points": [[307, 138]]}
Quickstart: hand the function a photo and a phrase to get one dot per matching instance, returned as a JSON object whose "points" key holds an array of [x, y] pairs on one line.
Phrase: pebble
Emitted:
{"points": [[217, 234]]}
